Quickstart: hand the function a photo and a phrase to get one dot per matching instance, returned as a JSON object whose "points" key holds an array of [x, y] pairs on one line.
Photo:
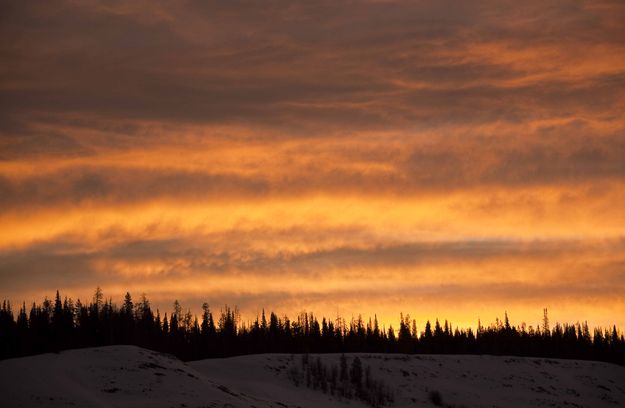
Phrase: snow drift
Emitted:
{"points": [[128, 376]]}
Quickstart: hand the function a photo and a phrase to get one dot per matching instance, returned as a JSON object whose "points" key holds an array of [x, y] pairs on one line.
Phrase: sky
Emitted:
{"points": [[447, 159]]}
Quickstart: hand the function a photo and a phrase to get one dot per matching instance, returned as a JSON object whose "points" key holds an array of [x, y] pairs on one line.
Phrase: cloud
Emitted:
{"points": [[279, 170], [198, 257], [303, 65], [418, 278], [408, 152]]}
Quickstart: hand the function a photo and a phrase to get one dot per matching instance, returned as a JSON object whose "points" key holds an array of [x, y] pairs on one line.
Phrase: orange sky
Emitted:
{"points": [[437, 158]]}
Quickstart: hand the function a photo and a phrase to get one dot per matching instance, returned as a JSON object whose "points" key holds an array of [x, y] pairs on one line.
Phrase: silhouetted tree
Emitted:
{"points": [[60, 324]]}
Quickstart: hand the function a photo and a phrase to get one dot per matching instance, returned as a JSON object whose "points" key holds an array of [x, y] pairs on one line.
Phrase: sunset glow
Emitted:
{"points": [[438, 158]]}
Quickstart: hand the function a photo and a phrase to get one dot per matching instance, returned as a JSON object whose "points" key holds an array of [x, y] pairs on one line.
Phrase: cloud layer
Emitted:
{"points": [[433, 157]]}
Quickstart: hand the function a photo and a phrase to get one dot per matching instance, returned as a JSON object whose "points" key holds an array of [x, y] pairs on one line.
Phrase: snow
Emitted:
{"points": [[128, 376]]}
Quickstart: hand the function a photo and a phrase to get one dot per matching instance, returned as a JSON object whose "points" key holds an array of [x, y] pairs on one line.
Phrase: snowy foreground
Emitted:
{"points": [[128, 376]]}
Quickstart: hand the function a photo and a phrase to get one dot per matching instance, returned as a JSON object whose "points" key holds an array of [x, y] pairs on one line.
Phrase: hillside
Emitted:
{"points": [[128, 376]]}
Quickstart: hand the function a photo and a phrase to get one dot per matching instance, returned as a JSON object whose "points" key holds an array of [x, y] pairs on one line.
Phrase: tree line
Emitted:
{"points": [[60, 324]]}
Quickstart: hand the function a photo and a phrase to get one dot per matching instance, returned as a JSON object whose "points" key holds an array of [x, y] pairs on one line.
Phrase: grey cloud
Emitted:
{"points": [[562, 156], [205, 255], [565, 156], [69, 264], [125, 185], [254, 65]]}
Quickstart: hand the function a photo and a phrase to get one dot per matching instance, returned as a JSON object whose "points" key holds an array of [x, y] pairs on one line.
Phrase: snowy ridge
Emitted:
{"points": [[128, 376]]}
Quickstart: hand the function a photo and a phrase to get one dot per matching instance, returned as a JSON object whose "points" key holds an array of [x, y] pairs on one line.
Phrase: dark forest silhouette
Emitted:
{"points": [[63, 324]]}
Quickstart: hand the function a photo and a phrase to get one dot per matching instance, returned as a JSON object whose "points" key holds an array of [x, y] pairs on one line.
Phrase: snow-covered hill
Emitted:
{"points": [[128, 376]]}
